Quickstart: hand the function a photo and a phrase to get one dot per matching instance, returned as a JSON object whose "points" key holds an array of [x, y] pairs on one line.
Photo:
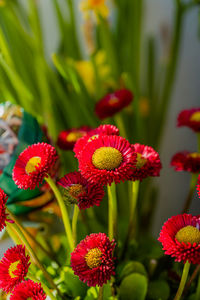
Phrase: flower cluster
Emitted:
{"points": [[13, 269]]}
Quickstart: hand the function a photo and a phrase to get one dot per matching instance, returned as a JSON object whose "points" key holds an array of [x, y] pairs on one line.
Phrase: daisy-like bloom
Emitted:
{"points": [[79, 191], [97, 6], [28, 290], [113, 103], [13, 267], [33, 165], [186, 161], [3, 215], [93, 134], [147, 163], [107, 159], [67, 138], [92, 260], [190, 118], [180, 238]]}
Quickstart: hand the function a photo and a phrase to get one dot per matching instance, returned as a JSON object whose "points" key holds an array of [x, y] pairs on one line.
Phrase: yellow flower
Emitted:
{"points": [[97, 6], [86, 71]]}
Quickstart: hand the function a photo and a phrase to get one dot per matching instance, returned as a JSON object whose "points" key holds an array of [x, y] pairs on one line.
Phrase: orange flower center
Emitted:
{"points": [[195, 116], [188, 234], [93, 258], [141, 161], [113, 100], [13, 268], [32, 164], [107, 158], [74, 136], [75, 190], [194, 155], [94, 3]]}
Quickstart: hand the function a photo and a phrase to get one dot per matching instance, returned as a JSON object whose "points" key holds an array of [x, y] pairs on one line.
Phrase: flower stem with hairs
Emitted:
{"points": [[112, 211], [64, 211], [183, 281]]}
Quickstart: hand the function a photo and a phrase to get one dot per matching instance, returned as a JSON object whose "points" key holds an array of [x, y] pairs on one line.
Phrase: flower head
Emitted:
{"points": [[79, 191], [190, 118], [92, 260], [28, 290], [3, 215], [113, 103], [97, 6], [13, 267], [33, 165], [180, 238], [93, 134], [186, 161], [107, 159], [147, 163], [68, 138]]}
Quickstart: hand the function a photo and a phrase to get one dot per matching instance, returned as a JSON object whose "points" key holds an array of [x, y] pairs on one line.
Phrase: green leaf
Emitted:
{"points": [[133, 267], [133, 287], [158, 289], [73, 285]]}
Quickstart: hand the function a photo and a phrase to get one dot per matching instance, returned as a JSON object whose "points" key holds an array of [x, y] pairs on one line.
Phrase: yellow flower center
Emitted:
{"points": [[75, 190], [93, 258], [195, 116], [107, 158], [188, 234], [113, 100], [32, 164], [93, 137], [13, 268], [74, 136], [194, 155], [141, 161]]}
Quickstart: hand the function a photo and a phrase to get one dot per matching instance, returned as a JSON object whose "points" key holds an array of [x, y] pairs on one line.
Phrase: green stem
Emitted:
{"points": [[120, 124], [183, 281], [197, 296], [112, 211], [74, 223], [16, 230], [198, 142], [45, 288], [133, 202], [63, 211], [171, 71], [188, 201], [100, 296], [29, 235]]}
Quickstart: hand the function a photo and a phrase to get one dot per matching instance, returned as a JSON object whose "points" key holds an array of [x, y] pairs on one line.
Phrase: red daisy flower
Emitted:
{"points": [[33, 164], [190, 118], [186, 161], [3, 215], [92, 260], [148, 162], [101, 130], [198, 186], [28, 290], [79, 191], [180, 238], [106, 159], [113, 103], [68, 138], [13, 267]]}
